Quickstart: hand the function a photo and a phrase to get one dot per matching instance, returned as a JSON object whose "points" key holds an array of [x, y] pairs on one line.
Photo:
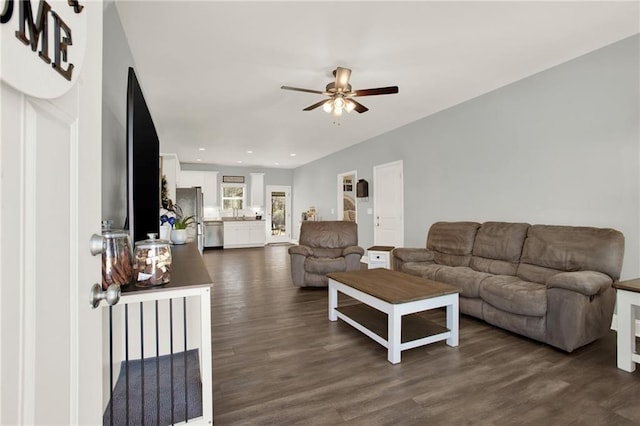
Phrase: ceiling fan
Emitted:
{"points": [[340, 94]]}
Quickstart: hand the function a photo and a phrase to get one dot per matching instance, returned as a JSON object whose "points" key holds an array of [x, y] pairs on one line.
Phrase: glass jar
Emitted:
{"points": [[152, 262], [117, 253]]}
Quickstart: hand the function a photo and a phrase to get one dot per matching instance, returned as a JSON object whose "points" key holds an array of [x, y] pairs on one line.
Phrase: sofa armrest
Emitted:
{"points": [[413, 254], [352, 256], [302, 250], [588, 283], [353, 250]]}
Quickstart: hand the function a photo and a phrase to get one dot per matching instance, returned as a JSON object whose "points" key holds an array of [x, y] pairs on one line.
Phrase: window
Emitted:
{"points": [[233, 196]]}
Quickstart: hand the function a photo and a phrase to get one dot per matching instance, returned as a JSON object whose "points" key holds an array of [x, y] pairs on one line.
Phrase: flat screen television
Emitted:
{"points": [[143, 165]]}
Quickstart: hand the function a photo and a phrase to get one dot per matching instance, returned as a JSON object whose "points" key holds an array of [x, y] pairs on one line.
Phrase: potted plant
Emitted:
{"points": [[180, 225]]}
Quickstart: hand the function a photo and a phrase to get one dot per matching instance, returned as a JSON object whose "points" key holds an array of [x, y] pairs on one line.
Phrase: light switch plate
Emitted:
{"points": [[369, 210]]}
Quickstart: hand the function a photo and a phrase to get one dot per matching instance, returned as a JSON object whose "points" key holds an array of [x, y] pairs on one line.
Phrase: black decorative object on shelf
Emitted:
{"points": [[362, 189]]}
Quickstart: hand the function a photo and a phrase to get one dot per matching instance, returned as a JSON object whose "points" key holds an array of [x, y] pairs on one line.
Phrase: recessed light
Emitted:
{"points": [[239, 161], [292, 155], [249, 152], [199, 159], [277, 164], [202, 149]]}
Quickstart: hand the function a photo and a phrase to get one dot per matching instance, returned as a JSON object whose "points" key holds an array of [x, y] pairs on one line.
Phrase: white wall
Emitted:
{"points": [[117, 59], [560, 147]]}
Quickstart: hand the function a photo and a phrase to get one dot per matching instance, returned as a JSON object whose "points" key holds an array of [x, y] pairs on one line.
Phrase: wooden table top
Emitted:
{"points": [[380, 248], [629, 285], [393, 286], [187, 270]]}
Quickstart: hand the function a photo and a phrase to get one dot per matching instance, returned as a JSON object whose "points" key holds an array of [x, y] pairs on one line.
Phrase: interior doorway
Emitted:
{"points": [[278, 220], [346, 189]]}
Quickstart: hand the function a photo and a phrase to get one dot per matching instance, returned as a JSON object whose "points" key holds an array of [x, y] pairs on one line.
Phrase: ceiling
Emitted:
{"points": [[211, 71]]}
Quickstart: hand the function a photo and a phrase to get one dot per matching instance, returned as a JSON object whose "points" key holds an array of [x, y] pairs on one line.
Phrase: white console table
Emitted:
{"points": [[379, 257]]}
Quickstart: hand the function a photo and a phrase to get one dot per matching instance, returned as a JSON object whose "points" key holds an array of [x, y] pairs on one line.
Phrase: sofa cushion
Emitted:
{"points": [[326, 252], [471, 306], [315, 280], [421, 269], [463, 277], [511, 294], [534, 273], [452, 242], [498, 246], [322, 265], [534, 327], [328, 234], [572, 248]]}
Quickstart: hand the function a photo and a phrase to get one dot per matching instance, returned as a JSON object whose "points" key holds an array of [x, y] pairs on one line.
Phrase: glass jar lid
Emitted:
{"points": [[115, 233], [152, 242]]}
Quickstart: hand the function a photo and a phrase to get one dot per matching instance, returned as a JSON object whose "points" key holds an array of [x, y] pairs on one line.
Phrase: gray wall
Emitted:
{"points": [[559, 147], [116, 60]]}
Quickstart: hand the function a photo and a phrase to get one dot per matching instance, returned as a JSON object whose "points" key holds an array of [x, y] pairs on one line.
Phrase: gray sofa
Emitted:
{"points": [[549, 283], [325, 246]]}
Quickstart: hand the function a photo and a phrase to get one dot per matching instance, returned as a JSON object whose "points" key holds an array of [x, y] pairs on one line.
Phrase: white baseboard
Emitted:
{"points": [[614, 324]]}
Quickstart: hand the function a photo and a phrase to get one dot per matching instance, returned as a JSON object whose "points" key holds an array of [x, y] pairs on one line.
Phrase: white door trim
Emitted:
{"points": [[340, 194]]}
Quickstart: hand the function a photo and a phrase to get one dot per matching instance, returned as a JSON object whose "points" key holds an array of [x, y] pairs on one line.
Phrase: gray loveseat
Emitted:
{"points": [[549, 283]]}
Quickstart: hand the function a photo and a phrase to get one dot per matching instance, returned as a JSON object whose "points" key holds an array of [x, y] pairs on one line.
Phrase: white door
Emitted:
{"points": [[388, 205], [278, 220], [50, 157]]}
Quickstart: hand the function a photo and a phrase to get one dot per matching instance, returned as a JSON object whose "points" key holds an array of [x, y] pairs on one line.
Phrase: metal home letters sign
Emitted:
{"points": [[43, 44]]}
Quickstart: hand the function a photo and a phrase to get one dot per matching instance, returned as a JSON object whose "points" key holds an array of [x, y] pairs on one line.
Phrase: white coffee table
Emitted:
{"points": [[397, 295]]}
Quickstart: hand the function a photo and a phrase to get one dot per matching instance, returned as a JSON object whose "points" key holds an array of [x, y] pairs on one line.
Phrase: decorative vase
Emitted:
{"points": [[165, 232], [179, 236]]}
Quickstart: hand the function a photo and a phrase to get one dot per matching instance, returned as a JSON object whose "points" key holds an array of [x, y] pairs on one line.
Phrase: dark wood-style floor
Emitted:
{"points": [[277, 360]]}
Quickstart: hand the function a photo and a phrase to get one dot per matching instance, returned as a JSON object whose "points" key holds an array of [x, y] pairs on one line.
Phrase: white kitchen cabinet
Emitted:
{"points": [[210, 191], [206, 180], [250, 233], [171, 171], [190, 178], [257, 232], [257, 190]]}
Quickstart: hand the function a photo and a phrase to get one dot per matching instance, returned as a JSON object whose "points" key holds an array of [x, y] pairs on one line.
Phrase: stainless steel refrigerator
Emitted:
{"points": [[190, 201]]}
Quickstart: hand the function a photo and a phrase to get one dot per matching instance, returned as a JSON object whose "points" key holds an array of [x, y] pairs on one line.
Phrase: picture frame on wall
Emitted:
{"points": [[233, 179]]}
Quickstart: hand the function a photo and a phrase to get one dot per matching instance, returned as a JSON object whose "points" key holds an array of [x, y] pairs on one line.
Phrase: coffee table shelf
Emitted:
{"points": [[414, 326]]}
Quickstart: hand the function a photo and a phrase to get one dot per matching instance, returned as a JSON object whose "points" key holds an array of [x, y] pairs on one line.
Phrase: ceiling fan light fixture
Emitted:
{"points": [[340, 94], [349, 106]]}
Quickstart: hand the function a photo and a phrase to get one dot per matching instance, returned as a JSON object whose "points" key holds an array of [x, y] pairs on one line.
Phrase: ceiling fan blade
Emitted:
{"points": [[378, 91], [298, 89], [358, 106], [316, 105], [342, 77]]}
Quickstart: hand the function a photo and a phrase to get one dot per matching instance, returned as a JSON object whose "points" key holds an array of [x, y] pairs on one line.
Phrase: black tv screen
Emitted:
{"points": [[143, 165]]}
